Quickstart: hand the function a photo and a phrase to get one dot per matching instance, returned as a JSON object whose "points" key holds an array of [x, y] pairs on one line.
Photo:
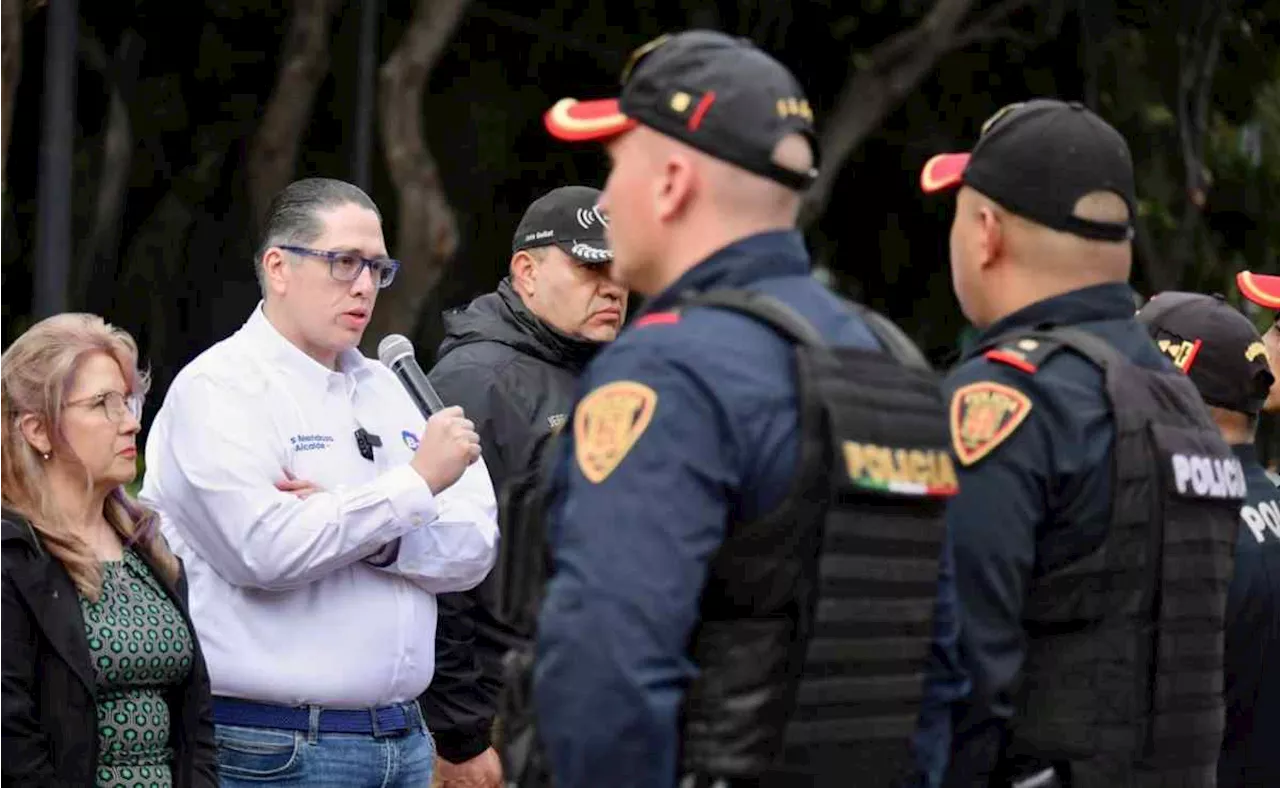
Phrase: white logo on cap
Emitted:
{"points": [[589, 216], [590, 253]]}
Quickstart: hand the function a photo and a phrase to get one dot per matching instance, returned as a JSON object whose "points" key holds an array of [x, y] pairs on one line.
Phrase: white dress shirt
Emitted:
{"points": [[286, 609]]}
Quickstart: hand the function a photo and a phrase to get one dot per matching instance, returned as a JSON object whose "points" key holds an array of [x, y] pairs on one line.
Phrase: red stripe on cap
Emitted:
{"points": [[704, 104], [1261, 289]]}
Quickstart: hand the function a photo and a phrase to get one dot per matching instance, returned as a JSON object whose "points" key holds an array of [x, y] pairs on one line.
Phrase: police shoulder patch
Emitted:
{"points": [[984, 415], [607, 423]]}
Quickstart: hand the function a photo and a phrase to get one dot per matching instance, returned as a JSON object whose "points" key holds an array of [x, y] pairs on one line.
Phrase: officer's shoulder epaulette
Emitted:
{"points": [[658, 319], [1025, 354]]}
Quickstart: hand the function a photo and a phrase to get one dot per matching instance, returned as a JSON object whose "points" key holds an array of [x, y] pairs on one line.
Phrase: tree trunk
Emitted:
{"points": [[304, 62], [10, 72], [883, 78], [1199, 50], [98, 261], [427, 231]]}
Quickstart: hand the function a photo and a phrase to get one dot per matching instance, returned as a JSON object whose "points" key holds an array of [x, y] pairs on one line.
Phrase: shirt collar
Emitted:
{"points": [[761, 256], [1113, 301], [273, 345]]}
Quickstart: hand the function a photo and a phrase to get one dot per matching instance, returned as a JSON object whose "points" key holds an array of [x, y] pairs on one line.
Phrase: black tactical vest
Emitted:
{"points": [[817, 619], [1122, 683]]}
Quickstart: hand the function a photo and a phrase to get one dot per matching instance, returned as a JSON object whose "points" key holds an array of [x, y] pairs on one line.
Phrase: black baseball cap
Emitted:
{"points": [[1214, 344], [719, 94], [1037, 159], [568, 217]]}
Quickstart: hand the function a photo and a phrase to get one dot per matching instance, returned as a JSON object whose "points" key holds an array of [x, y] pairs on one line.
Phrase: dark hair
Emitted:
{"points": [[292, 215]]}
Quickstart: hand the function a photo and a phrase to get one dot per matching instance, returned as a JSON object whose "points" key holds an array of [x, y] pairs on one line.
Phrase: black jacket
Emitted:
{"points": [[50, 718], [514, 376]]}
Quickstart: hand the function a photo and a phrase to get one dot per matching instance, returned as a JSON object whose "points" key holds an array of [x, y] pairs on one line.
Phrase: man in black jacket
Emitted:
{"points": [[510, 359]]}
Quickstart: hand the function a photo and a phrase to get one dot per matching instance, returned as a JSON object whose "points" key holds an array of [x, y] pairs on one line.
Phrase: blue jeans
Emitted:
{"points": [[253, 757]]}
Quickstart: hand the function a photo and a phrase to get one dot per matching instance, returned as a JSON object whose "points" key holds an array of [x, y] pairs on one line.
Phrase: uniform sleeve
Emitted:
{"points": [[216, 463], [456, 549], [992, 524], [26, 748], [647, 472]]}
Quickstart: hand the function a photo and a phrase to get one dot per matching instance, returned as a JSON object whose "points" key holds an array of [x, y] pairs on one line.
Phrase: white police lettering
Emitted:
{"points": [[584, 252], [310, 442], [1208, 477], [541, 234], [1262, 518]]}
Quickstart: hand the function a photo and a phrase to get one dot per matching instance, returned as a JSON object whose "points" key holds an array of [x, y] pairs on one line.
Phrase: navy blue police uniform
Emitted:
{"points": [[1051, 535], [1221, 352], [639, 519], [1252, 685], [1034, 440], [685, 436]]}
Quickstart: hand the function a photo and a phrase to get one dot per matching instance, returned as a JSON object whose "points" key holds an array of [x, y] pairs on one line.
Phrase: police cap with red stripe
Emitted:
{"points": [[1037, 159], [1214, 344], [719, 94]]}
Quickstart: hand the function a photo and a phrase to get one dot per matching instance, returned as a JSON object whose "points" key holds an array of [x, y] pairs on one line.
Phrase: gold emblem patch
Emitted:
{"points": [[983, 415], [607, 423], [1255, 351]]}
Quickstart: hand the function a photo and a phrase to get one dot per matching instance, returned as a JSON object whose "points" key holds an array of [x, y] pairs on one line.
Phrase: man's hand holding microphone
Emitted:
{"points": [[448, 445]]}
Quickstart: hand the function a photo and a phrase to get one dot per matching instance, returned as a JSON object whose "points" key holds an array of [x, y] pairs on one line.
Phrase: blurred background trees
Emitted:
{"points": [[181, 119]]}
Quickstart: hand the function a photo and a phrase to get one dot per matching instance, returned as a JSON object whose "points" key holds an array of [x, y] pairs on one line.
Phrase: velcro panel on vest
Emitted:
{"points": [[1204, 486], [1123, 672], [891, 474]]}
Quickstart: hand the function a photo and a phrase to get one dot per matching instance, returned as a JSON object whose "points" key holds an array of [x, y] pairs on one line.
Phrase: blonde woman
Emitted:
{"points": [[103, 680]]}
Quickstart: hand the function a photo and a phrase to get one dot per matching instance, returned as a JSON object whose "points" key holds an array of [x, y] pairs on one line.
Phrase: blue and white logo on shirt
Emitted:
{"points": [[410, 440]]}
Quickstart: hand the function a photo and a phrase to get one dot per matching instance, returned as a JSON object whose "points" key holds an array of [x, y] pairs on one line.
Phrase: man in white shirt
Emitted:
{"points": [[317, 517]]}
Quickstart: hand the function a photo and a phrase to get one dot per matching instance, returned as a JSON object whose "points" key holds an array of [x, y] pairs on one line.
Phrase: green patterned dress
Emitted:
{"points": [[140, 647]]}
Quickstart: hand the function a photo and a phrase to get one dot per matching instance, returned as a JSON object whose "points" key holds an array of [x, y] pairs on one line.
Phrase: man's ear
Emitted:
{"points": [[524, 273], [36, 432], [275, 270], [676, 187], [991, 239]]}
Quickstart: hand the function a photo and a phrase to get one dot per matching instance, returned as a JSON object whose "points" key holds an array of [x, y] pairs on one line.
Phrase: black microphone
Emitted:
{"points": [[396, 354]]}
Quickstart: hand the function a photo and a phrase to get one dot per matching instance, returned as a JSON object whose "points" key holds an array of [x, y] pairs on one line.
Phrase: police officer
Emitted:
{"points": [[1221, 352], [688, 498], [1094, 491]]}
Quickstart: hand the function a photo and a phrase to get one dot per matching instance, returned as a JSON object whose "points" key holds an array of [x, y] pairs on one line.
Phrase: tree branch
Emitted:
{"points": [[427, 231], [882, 78], [304, 62]]}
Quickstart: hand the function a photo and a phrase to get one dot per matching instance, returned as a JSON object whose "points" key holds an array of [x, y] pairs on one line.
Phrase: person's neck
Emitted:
{"points": [[280, 322], [686, 253], [83, 508], [1237, 428], [1019, 292]]}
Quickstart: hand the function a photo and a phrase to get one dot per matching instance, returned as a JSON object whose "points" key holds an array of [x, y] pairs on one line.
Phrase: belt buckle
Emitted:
{"points": [[376, 724]]}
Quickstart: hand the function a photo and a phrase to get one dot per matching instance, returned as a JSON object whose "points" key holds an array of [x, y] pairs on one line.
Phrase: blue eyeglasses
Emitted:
{"points": [[347, 266]]}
